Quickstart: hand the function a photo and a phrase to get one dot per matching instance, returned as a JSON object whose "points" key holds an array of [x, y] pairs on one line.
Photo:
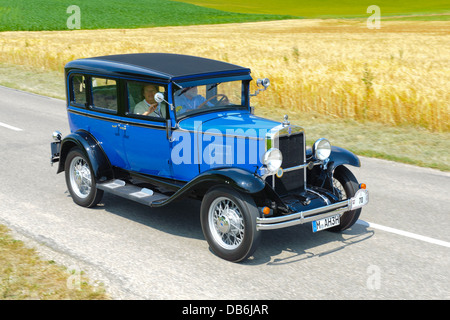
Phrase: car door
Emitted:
{"points": [[144, 135], [102, 119]]}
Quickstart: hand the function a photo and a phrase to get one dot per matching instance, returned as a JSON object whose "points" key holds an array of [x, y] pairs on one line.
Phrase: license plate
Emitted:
{"points": [[326, 223]]}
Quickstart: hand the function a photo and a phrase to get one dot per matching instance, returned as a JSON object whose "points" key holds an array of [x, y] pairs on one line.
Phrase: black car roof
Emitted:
{"points": [[165, 66]]}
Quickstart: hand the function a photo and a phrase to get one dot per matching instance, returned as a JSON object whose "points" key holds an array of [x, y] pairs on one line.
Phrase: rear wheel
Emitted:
{"points": [[228, 221], [80, 179], [345, 186]]}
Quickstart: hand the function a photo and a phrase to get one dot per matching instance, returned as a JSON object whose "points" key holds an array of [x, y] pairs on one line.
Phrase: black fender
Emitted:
{"points": [[101, 167], [338, 157], [236, 178]]}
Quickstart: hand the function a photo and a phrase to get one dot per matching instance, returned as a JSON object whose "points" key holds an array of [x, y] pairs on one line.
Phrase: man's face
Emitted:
{"points": [[149, 94]]}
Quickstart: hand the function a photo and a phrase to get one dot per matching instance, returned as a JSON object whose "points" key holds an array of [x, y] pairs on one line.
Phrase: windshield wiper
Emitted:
{"points": [[213, 86]]}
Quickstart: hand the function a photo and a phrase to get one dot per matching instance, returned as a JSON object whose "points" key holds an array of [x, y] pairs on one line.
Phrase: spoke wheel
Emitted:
{"points": [[228, 221], [80, 179]]}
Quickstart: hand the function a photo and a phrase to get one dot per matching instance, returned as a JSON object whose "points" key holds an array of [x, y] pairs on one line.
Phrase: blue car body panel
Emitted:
{"points": [[227, 139], [103, 130]]}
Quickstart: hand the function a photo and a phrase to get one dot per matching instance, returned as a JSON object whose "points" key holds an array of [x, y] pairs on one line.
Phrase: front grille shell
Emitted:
{"points": [[290, 140]]}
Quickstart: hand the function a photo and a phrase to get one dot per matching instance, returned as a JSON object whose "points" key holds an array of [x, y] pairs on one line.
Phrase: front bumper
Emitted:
{"points": [[360, 199]]}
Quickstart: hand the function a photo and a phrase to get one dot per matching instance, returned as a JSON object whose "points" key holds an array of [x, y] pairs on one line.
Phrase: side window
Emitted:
{"points": [[78, 89], [141, 99], [104, 94]]}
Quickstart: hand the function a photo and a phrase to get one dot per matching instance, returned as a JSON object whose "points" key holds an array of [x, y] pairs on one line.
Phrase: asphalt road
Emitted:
{"points": [[400, 249]]}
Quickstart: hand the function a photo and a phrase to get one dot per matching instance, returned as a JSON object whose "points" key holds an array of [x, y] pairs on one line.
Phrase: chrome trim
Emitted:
{"points": [[261, 82], [315, 148], [302, 166], [57, 136], [286, 120], [306, 216], [324, 199], [281, 130]]}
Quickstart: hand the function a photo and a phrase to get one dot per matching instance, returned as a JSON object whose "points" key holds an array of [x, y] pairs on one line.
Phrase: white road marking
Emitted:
{"points": [[404, 233], [10, 127]]}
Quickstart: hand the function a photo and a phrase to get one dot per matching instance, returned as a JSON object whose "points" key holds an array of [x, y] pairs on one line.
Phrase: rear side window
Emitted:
{"points": [[78, 86], [104, 94]]}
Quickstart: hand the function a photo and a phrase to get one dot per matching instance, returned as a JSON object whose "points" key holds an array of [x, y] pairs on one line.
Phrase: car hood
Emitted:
{"points": [[229, 123]]}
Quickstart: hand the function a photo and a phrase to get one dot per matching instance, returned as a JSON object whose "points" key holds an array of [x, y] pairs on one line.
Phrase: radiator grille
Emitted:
{"points": [[293, 150]]}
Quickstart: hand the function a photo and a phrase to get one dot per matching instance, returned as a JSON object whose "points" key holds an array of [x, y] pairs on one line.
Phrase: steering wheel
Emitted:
{"points": [[223, 99]]}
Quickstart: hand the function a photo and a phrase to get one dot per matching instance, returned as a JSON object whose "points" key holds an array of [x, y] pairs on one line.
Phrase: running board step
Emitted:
{"points": [[131, 192]]}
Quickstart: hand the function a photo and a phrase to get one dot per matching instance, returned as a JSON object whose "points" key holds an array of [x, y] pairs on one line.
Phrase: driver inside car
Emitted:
{"points": [[188, 99]]}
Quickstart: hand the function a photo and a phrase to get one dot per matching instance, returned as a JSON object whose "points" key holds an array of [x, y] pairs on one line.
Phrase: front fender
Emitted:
{"points": [[238, 179], [92, 150], [340, 156]]}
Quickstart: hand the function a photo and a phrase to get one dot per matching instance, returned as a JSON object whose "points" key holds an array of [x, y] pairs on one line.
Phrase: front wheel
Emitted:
{"points": [[80, 179], [228, 221], [345, 186]]}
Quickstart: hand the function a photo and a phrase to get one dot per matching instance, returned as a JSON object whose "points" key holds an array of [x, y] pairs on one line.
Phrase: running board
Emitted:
{"points": [[131, 192]]}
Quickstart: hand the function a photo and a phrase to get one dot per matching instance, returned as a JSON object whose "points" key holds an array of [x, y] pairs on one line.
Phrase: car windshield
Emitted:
{"points": [[190, 100]]}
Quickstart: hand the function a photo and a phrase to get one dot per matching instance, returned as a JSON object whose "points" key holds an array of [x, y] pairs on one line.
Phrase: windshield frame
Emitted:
{"points": [[244, 105]]}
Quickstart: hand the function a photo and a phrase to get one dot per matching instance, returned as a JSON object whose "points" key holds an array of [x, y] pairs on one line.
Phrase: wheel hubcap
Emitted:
{"points": [[80, 177], [226, 223]]}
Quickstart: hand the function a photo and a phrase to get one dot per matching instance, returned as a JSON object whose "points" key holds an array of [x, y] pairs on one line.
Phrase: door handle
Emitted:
{"points": [[122, 127]]}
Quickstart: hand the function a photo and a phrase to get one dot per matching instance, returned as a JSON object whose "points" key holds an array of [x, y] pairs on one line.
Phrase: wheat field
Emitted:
{"points": [[396, 75]]}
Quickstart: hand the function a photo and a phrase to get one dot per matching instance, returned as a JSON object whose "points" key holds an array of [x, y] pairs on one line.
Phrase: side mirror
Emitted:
{"points": [[261, 82], [159, 97]]}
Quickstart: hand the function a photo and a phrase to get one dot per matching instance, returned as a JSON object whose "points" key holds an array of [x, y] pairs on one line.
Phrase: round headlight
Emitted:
{"points": [[322, 149], [273, 159]]}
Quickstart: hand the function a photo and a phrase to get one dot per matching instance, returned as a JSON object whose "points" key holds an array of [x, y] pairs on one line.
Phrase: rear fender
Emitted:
{"points": [[100, 164]]}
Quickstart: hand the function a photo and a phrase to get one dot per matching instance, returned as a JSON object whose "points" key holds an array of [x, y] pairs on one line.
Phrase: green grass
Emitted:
{"points": [[39, 15], [327, 8]]}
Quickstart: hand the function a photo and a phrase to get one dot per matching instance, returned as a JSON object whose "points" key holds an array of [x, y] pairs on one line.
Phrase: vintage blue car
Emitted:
{"points": [[157, 127]]}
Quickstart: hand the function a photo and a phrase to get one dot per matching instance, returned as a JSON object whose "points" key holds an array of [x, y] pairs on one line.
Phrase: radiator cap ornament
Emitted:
{"points": [[286, 121]]}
